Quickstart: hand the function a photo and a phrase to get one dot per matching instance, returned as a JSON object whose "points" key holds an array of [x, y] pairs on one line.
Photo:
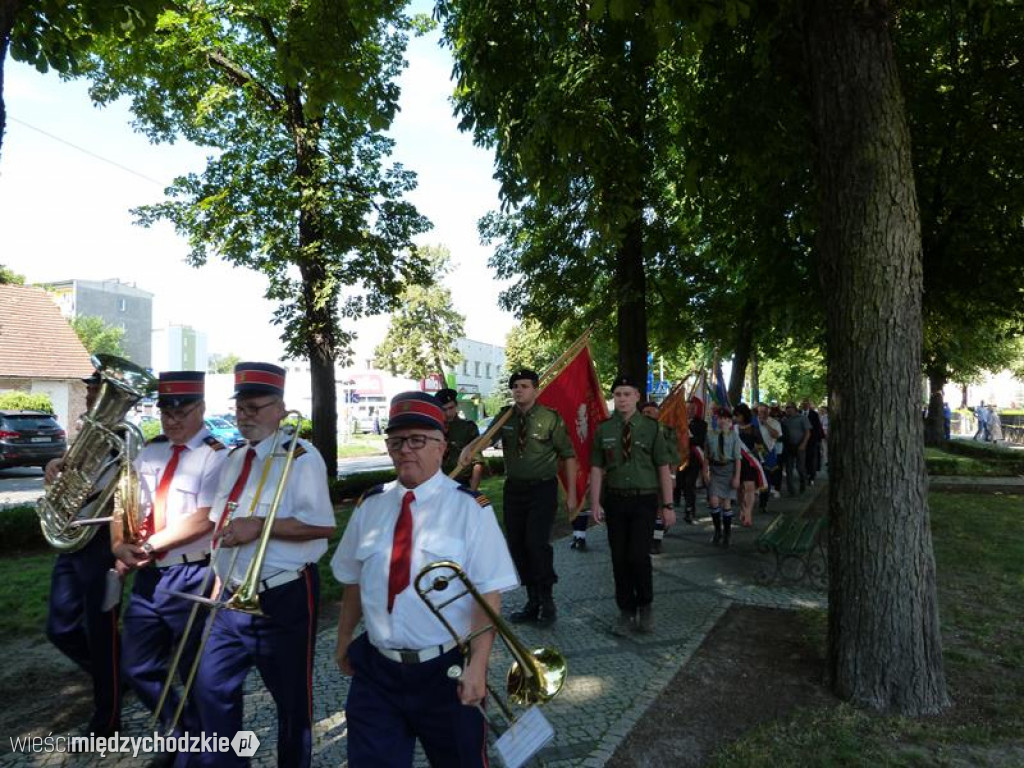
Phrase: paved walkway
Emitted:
{"points": [[612, 680]]}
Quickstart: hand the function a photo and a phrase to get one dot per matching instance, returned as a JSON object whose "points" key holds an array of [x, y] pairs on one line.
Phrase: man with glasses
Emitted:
{"points": [[281, 642], [401, 690], [459, 433], [178, 474]]}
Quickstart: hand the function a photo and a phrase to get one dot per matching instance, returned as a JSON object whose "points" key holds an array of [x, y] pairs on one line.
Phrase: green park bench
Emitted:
{"points": [[798, 543]]}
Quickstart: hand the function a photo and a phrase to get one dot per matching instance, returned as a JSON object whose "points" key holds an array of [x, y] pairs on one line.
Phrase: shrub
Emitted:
{"points": [[19, 530], [25, 401]]}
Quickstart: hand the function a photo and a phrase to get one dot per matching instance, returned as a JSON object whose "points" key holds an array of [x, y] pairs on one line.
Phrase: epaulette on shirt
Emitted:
{"points": [[214, 443], [157, 439], [299, 450], [482, 500], [240, 445], [370, 492]]}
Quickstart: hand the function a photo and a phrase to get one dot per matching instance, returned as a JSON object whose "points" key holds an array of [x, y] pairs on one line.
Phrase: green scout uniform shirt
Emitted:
{"points": [[460, 434], [546, 442], [649, 451]]}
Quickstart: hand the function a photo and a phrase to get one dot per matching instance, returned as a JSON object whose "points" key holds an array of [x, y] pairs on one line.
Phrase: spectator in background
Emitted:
{"points": [[981, 413], [771, 434], [995, 425], [823, 412], [796, 432], [814, 443], [947, 420]]}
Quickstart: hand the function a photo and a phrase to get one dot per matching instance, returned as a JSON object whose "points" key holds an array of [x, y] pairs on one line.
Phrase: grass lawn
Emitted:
{"points": [[941, 462], [979, 552], [361, 445], [26, 577]]}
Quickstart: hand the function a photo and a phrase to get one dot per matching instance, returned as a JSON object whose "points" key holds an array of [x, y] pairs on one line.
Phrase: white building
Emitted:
{"points": [[179, 348], [482, 369]]}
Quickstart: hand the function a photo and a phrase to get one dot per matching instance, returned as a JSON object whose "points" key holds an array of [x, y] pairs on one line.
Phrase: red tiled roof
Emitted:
{"points": [[35, 340]]}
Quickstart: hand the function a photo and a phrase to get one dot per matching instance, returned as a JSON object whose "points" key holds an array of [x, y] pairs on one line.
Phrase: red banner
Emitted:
{"points": [[672, 413], [577, 396]]}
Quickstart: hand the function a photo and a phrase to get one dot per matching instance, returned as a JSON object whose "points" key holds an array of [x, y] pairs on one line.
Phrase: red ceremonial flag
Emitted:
{"points": [[672, 413], [577, 396]]}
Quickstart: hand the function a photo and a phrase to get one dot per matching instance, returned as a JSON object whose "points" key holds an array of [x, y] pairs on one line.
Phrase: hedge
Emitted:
{"points": [[24, 401]]}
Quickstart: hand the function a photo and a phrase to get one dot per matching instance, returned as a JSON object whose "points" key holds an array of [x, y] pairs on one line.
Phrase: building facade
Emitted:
{"points": [[482, 369], [122, 305], [179, 348]]}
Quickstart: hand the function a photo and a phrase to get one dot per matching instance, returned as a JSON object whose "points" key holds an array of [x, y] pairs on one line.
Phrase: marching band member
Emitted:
{"points": [[178, 475], [400, 688], [280, 644], [76, 622], [459, 433], [630, 460]]}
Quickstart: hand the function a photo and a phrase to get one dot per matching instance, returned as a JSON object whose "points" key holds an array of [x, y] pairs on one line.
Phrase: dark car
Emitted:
{"points": [[30, 439]]}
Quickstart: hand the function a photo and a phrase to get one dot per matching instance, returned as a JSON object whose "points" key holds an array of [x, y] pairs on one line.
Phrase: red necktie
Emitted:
{"points": [[157, 519], [237, 488], [401, 550]]}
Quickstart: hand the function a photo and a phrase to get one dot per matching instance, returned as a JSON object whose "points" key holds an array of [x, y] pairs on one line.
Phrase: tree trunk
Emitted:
{"points": [[963, 396], [744, 345], [885, 651], [632, 305], [755, 379], [934, 425]]}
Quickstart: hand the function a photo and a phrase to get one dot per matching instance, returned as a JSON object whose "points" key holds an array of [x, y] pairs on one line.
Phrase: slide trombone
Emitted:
{"points": [[536, 675], [246, 597]]}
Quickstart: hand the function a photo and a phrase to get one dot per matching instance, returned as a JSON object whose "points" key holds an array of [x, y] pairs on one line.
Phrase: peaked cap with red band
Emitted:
{"points": [[415, 409], [252, 379], [178, 388]]}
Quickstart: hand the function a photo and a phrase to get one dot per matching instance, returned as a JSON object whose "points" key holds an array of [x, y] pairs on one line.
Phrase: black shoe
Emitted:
{"points": [[656, 547], [547, 614], [582, 545], [525, 615]]}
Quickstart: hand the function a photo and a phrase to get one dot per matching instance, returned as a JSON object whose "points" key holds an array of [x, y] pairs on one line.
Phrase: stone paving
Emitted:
{"points": [[612, 680]]}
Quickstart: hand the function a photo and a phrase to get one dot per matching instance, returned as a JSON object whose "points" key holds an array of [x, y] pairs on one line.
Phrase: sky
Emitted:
{"points": [[65, 210]]}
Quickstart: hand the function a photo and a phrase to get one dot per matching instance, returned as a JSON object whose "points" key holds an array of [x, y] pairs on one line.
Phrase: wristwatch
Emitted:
{"points": [[147, 548]]}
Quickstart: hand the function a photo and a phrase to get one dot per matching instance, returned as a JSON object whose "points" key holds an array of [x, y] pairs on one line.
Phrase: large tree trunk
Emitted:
{"points": [[934, 425], [885, 651], [631, 285], [755, 379], [741, 355]]}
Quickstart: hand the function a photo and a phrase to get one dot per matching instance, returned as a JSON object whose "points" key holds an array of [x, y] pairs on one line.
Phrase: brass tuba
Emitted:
{"points": [[536, 675], [98, 458]]}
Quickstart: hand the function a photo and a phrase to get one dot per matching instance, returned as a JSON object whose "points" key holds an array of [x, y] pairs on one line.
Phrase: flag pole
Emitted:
{"points": [[545, 378]]}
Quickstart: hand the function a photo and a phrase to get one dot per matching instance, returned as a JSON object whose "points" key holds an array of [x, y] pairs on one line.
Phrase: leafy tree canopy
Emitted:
{"points": [[10, 277], [425, 328], [97, 336], [222, 363]]}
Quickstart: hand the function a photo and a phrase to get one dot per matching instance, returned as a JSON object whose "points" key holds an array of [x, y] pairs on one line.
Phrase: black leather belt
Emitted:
{"points": [[632, 492]]}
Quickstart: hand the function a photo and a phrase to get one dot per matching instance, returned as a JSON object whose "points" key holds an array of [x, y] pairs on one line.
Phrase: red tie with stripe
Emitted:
{"points": [[237, 488], [157, 519], [401, 550]]}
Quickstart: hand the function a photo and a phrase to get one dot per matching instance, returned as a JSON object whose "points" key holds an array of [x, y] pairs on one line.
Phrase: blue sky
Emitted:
{"points": [[65, 212]]}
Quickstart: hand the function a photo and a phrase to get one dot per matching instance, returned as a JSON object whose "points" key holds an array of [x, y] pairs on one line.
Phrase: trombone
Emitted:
{"points": [[246, 597], [536, 675]]}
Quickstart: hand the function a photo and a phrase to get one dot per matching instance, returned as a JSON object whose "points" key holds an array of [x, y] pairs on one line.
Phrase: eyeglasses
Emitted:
{"points": [[177, 414], [252, 410], [415, 442]]}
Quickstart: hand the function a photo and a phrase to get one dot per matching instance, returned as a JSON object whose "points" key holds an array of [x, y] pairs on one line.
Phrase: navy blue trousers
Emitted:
{"points": [[390, 705], [82, 632], [153, 626], [280, 645]]}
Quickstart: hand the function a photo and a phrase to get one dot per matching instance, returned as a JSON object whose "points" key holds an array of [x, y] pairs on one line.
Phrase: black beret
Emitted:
{"points": [[523, 373], [625, 380], [445, 396]]}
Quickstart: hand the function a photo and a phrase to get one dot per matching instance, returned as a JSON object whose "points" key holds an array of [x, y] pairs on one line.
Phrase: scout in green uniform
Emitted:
{"points": [[533, 440], [650, 409], [630, 461], [459, 433]]}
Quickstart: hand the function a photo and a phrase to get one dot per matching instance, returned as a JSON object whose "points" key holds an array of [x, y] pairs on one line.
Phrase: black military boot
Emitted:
{"points": [[528, 613], [726, 529], [691, 515], [547, 614], [716, 519]]}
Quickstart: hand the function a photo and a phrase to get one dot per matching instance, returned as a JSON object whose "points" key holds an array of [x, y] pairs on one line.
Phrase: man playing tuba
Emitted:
{"points": [[280, 640], [400, 688], [178, 475], [76, 621]]}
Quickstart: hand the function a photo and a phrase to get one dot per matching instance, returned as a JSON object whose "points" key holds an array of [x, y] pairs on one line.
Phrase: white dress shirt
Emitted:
{"points": [[192, 487], [306, 498], [448, 524]]}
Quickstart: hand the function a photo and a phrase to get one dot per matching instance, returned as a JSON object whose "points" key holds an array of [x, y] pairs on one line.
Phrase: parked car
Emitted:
{"points": [[30, 439], [223, 431]]}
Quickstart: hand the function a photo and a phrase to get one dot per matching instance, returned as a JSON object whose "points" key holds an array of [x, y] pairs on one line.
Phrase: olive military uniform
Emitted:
{"points": [[630, 458], [459, 433], [532, 443]]}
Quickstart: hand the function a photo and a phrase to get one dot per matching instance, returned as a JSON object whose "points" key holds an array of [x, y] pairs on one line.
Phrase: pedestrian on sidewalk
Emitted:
{"points": [[796, 432], [723, 475], [630, 462], [650, 409], [686, 478]]}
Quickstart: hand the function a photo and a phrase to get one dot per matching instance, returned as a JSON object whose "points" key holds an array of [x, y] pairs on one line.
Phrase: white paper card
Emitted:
{"points": [[112, 593], [525, 738]]}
